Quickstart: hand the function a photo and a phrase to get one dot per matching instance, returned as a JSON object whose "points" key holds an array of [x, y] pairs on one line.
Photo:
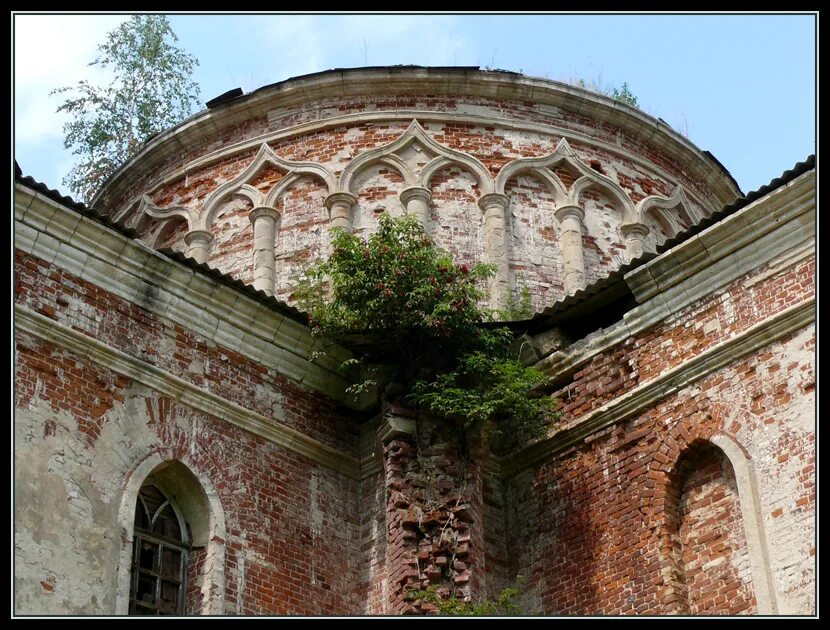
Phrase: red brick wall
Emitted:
{"points": [[81, 305], [713, 558], [292, 525], [701, 326], [594, 528]]}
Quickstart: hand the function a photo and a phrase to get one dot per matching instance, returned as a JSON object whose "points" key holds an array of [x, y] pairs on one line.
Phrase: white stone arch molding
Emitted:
{"points": [[239, 185], [756, 542], [588, 177], [416, 134], [209, 532], [658, 207], [147, 207]]}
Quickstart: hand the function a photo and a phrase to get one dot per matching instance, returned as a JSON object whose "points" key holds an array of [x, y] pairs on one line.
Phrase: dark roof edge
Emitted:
{"points": [[537, 322], [260, 296]]}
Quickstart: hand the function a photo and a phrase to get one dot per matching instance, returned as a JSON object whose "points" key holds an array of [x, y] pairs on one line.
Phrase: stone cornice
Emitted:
{"points": [[188, 394], [450, 82], [742, 230], [172, 291], [777, 223], [648, 394]]}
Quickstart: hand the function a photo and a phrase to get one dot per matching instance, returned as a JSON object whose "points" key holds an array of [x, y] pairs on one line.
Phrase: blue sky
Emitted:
{"points": [[740, 86]]}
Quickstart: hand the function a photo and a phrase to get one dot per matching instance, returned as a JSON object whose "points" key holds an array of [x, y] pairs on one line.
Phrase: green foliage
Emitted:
{"points": [[503, 605], [521, 308], [624, 95], [150, 90], [399, 301]]}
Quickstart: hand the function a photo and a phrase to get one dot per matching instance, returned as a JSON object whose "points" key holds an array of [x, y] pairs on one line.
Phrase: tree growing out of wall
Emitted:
{"points": [[150, 89], [398, 301]]}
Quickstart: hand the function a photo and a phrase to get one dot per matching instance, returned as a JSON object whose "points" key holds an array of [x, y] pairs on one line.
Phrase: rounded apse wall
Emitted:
{"points": [[554, 185]]}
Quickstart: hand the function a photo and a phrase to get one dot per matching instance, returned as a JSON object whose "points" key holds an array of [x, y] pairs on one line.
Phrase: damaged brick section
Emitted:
{"points": [[434, 514]]}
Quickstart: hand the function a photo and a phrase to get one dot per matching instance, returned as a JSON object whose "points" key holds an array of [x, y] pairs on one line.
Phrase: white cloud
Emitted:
{"points": [[52, 51]]}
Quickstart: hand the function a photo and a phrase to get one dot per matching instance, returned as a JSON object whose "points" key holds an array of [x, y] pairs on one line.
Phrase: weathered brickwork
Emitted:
{"points": [[679, 479], [620, 529], [726, 313], [323, 146], [713, 556], [599, 513], [434, 517], [47, 289], [292, 530], [455, 216], [316, 132]]}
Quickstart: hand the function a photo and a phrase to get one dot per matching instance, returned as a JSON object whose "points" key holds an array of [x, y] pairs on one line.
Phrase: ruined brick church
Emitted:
{"points": [[181, 448]]}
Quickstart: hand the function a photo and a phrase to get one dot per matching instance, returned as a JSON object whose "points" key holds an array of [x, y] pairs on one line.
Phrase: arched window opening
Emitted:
{"points": [[710, 572], [160, 554]]}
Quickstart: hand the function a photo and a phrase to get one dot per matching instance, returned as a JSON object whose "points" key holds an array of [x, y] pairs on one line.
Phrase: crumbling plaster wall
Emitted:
{"points": [[290, 536], [589, 524]]}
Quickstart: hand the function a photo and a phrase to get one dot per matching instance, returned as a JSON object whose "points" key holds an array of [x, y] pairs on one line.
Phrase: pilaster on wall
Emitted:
{"points": [[495, 231], [570, 217], [416, 201], [198, 244], [264, 220], [434, 512], [341, 210]]}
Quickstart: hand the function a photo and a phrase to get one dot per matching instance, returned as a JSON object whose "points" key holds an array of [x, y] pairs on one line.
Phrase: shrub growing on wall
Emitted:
{"points": [[398, 301]]}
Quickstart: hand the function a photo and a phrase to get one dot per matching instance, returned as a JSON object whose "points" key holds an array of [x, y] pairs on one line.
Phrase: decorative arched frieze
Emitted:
{"points": [[568, 211], [440, 157], [146, 206], [239, 184], [199, 222], [659, 208], [540, 168]]}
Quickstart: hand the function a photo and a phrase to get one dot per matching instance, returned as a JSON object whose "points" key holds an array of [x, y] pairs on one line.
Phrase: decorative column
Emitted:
{"points": [[198, 244], [495, 231], [635, 236], [570, 220], [341, 210], [264, 220], [415, 201]]}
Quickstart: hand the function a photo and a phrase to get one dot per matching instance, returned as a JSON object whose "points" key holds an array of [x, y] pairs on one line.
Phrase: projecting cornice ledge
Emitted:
{"points": [[174, 292], [188, 394], [651, 392]]}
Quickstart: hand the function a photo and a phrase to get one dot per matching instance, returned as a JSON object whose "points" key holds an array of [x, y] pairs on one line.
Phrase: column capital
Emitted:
{"points": [[415, 192], [340, 198], [493, 199], [198, 237], [263, 211], [634, 229], [568, 212]]}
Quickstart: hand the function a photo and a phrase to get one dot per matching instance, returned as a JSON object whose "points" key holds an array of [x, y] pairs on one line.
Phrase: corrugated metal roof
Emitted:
{"points": [[609, 285], [228, 280], [606, 283]]}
